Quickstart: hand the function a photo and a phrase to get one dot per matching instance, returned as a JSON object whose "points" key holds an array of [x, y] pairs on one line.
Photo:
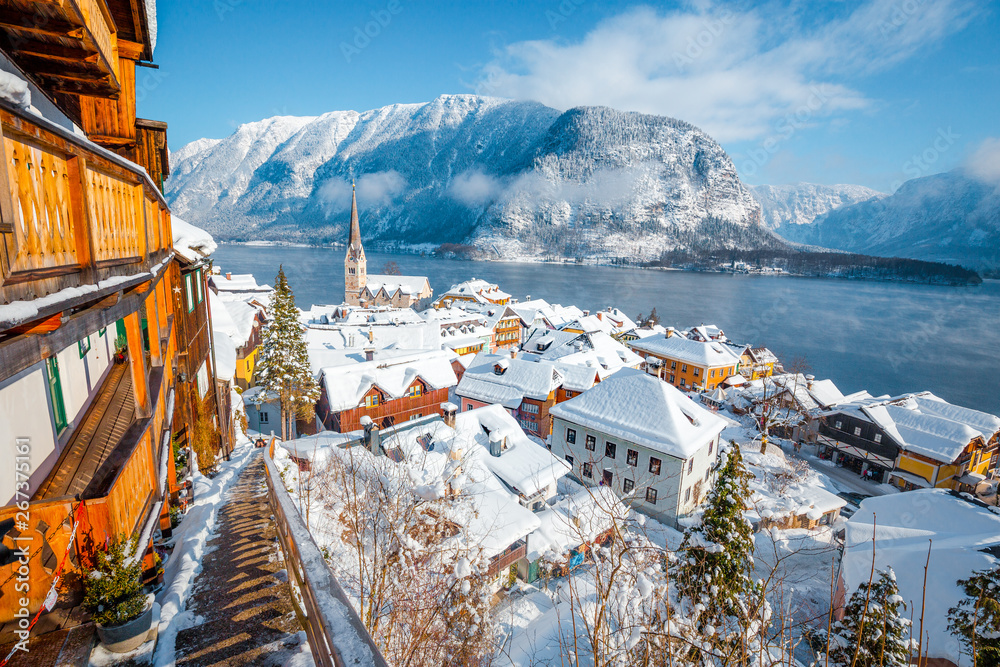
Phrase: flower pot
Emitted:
{"points": [[127, 636]]}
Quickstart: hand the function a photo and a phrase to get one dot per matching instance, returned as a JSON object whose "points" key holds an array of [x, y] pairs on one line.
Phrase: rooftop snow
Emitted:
{"points": [[190, 242], [708, 354], [347, 384], [392, 284], [521, 379], [643, 409], [906, 525]]}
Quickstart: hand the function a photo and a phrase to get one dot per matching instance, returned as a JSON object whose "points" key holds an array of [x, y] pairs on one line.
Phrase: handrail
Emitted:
{"points": [[337, 637]]}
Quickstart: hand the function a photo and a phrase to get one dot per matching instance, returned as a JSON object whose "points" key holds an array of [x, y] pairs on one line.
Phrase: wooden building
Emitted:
{"points": [[93, 354]]}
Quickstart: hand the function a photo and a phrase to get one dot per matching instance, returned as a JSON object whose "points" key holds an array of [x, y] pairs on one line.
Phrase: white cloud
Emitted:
{"points": [[376, 189], [474, 188], [734, 73], [984, 163]]}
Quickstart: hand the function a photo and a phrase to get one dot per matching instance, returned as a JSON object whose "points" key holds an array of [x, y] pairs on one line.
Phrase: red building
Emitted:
{"points": [[386, 385]]}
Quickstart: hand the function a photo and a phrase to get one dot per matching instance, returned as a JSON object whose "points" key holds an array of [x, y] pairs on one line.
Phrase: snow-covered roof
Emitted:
{"points": [[328, 345], [409, 285], [709, 354], [238, 282], [521, 379], [955, 529], [524, 466], [594, 350], [924, 432], [825, 392], [575, 520], [645, 410], [233, 318], [347, 384], [988, 425], [191, 243], [478, 290], [589, 324]]}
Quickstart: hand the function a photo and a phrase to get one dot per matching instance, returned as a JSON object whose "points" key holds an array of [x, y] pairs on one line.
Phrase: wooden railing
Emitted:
{"points": [[98, 21], [511, 555], [71, 213], [337, 637]]}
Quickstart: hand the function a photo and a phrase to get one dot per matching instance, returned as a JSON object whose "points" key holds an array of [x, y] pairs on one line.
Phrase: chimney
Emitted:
{"points": [[449, 411], [809, 381], [373, 440], [670, 331], [369, 354], [496, 443], [229, 276], [586, 313]]}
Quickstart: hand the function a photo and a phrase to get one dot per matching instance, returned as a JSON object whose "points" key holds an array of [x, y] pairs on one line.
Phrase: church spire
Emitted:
{"points": [[354, 243]]}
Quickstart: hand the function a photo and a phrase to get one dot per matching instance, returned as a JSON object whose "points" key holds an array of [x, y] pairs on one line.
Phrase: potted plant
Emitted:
{"points": [[113, 595]]}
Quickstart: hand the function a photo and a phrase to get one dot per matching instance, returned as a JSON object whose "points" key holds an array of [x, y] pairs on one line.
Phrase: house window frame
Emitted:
{"points": [[571, 435], [590, 443], [658, 465], [588, 470], [651, 495], [627, 485], [83, 345], [610, 449], [632, 457]]}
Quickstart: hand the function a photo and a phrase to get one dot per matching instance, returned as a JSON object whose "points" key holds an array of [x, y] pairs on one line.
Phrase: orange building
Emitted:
{"points": [[685, 363]]}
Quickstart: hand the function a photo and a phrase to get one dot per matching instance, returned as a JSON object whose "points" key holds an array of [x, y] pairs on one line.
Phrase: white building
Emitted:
{"points": [[642, 437]]}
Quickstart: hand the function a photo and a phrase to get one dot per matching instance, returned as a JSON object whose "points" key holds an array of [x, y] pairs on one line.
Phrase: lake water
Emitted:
{"points": [[888, 338]]}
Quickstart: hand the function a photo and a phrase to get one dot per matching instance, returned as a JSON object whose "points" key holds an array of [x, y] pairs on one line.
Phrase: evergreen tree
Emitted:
{"points": [[873, 631], [283, 370], [976, 619], [714, 569]]}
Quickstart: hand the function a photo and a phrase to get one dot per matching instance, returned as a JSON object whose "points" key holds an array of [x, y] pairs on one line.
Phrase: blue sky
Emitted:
{"points": [[871, 92]]}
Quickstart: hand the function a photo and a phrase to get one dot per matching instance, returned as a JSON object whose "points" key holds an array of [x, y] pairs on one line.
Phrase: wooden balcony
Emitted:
{"points": [[69, 46], [511, 555], [72, 214]]}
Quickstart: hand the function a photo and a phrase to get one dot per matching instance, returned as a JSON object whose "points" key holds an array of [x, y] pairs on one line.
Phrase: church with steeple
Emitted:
{"points": [[362, 289]]}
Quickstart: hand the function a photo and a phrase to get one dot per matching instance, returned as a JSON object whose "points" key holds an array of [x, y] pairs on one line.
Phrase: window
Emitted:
{"points": [[569, 460], [654, 465], [468, 406], [197, 277], [530, 408], [687, 494], [189, 292], [712, 373], [838, 425], [588, 470], [84, 346], [690, 466], [683, 382], [684, 368], [632, 457], [591, 443], [101, 332], [673, 364], [570, 435], [708, 473], [878, 437], [264, 418], [371, 400], [607, 477], [650, 495], [857, 430], [610, 449], [56, 393], [672, 379], [697, 371], [711, 446], [627, 485], [415, 390]]}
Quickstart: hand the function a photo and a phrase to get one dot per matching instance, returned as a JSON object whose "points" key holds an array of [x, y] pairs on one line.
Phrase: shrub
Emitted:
{"points": [[114, 588]]}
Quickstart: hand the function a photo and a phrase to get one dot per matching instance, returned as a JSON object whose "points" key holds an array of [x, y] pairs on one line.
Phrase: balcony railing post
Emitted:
{"points": [[81, 218]]}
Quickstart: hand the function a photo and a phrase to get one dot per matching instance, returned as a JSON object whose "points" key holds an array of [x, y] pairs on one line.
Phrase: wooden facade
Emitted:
{"points": [[386, 412], [89, 230]]}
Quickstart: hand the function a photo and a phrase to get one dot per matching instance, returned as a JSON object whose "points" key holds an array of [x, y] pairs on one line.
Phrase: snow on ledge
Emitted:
{"points": [[190, 242]]}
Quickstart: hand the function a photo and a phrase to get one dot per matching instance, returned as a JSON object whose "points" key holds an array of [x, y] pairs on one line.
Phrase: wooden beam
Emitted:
{"points": [[50, 51], [42, 326], [44, 25]]}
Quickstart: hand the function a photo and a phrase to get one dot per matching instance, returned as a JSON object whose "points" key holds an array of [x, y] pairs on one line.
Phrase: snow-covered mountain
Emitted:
{"points": [[518, 178], [801, 203], [950, 217]]}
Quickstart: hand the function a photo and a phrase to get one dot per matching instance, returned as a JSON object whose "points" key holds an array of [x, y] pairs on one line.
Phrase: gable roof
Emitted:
{"points": [[521, 379], [709, 354], [346, 385], [643, 409], [408, 285]]}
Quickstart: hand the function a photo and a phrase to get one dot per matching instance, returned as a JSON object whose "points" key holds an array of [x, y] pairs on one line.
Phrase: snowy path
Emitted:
{"points": [[242, 610]]}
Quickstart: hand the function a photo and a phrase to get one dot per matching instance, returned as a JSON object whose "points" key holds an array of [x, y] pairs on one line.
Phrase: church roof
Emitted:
{"points": [[354, 247]]}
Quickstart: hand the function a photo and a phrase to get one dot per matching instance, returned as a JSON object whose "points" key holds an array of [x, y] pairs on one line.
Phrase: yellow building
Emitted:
{"points": [[685, 363]]}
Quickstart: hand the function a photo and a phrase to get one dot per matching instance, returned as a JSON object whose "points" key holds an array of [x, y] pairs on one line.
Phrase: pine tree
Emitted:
{"points": [[976, 619], [283, 369], [873, 631], [714, 568]]}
